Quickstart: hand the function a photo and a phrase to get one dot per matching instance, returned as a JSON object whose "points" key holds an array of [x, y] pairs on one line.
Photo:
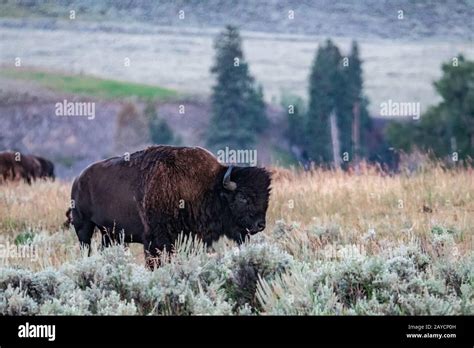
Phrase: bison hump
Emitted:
{"points": [[178, 173]]}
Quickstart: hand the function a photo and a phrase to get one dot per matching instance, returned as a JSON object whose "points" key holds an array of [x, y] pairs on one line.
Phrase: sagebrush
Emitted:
{"points": [[335, 244]]}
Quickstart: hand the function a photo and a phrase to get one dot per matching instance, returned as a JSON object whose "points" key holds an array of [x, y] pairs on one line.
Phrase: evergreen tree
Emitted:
{"points": [[354, 108], [257, 109], [325, 86], [295, 115], [336, 86], [160, 131], [456, 87], [448, 127], [238, 110]]}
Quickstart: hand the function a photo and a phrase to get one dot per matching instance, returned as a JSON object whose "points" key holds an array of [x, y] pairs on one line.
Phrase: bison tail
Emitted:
{"points": [[68, 222]]}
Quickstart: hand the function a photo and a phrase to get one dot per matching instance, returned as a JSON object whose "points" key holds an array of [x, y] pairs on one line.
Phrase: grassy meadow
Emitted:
{"points": [[87, 85], [336, 243]]}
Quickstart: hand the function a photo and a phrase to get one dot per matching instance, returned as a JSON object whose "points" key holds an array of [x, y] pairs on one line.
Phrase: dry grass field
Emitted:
{"points": [[335, 243]]}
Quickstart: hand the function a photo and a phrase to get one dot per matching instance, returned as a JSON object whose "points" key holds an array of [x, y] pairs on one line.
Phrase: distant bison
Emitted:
{"points": [[47, 168], [31, 168], [162, 191], [15, 166], [7, 163]]}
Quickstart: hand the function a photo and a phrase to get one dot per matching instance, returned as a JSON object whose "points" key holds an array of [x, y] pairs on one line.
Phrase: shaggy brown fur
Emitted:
{"points": [[163, 191], [47, 168]]}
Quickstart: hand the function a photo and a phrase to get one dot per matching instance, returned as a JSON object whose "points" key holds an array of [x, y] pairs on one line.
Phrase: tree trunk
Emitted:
{"points": [[356, 135], [336, 148]]}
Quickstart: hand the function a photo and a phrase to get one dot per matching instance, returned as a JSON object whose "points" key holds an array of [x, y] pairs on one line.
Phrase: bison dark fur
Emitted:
{"points": [[47, 168], [163, 191], [31, 166], [16, 166], [7, 163]]}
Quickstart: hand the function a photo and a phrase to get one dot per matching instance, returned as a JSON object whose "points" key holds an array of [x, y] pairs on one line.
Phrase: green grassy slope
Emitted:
{"points": [[89, 85]]}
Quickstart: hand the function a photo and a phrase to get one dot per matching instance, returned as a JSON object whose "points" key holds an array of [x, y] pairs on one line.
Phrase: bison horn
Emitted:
{"points": [[228, 184]]}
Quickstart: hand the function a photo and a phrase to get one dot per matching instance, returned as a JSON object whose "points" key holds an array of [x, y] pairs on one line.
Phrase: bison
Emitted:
{"points": [[15, 166], [162, 191], [31, 166], [47, 168], [7, 162]]}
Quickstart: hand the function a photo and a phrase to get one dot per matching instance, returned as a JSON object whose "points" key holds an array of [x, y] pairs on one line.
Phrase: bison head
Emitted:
{"points": [[245, 191]]}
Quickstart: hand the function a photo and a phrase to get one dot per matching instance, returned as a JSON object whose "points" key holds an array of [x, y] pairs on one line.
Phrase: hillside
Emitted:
{"points": [[170, 60], [368, 19], [402, 57], [28, 98]]}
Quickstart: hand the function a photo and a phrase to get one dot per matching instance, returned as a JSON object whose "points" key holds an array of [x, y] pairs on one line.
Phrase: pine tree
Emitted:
{"points": [[447, 129], [336, 87], [456, 87], [257, 109], [160, 131], [238, 110], [295, 115], [354, 120], [326, 83]]}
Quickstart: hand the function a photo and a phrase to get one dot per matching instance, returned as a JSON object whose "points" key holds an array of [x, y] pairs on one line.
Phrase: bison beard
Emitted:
{"points": [[163, 191]]}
